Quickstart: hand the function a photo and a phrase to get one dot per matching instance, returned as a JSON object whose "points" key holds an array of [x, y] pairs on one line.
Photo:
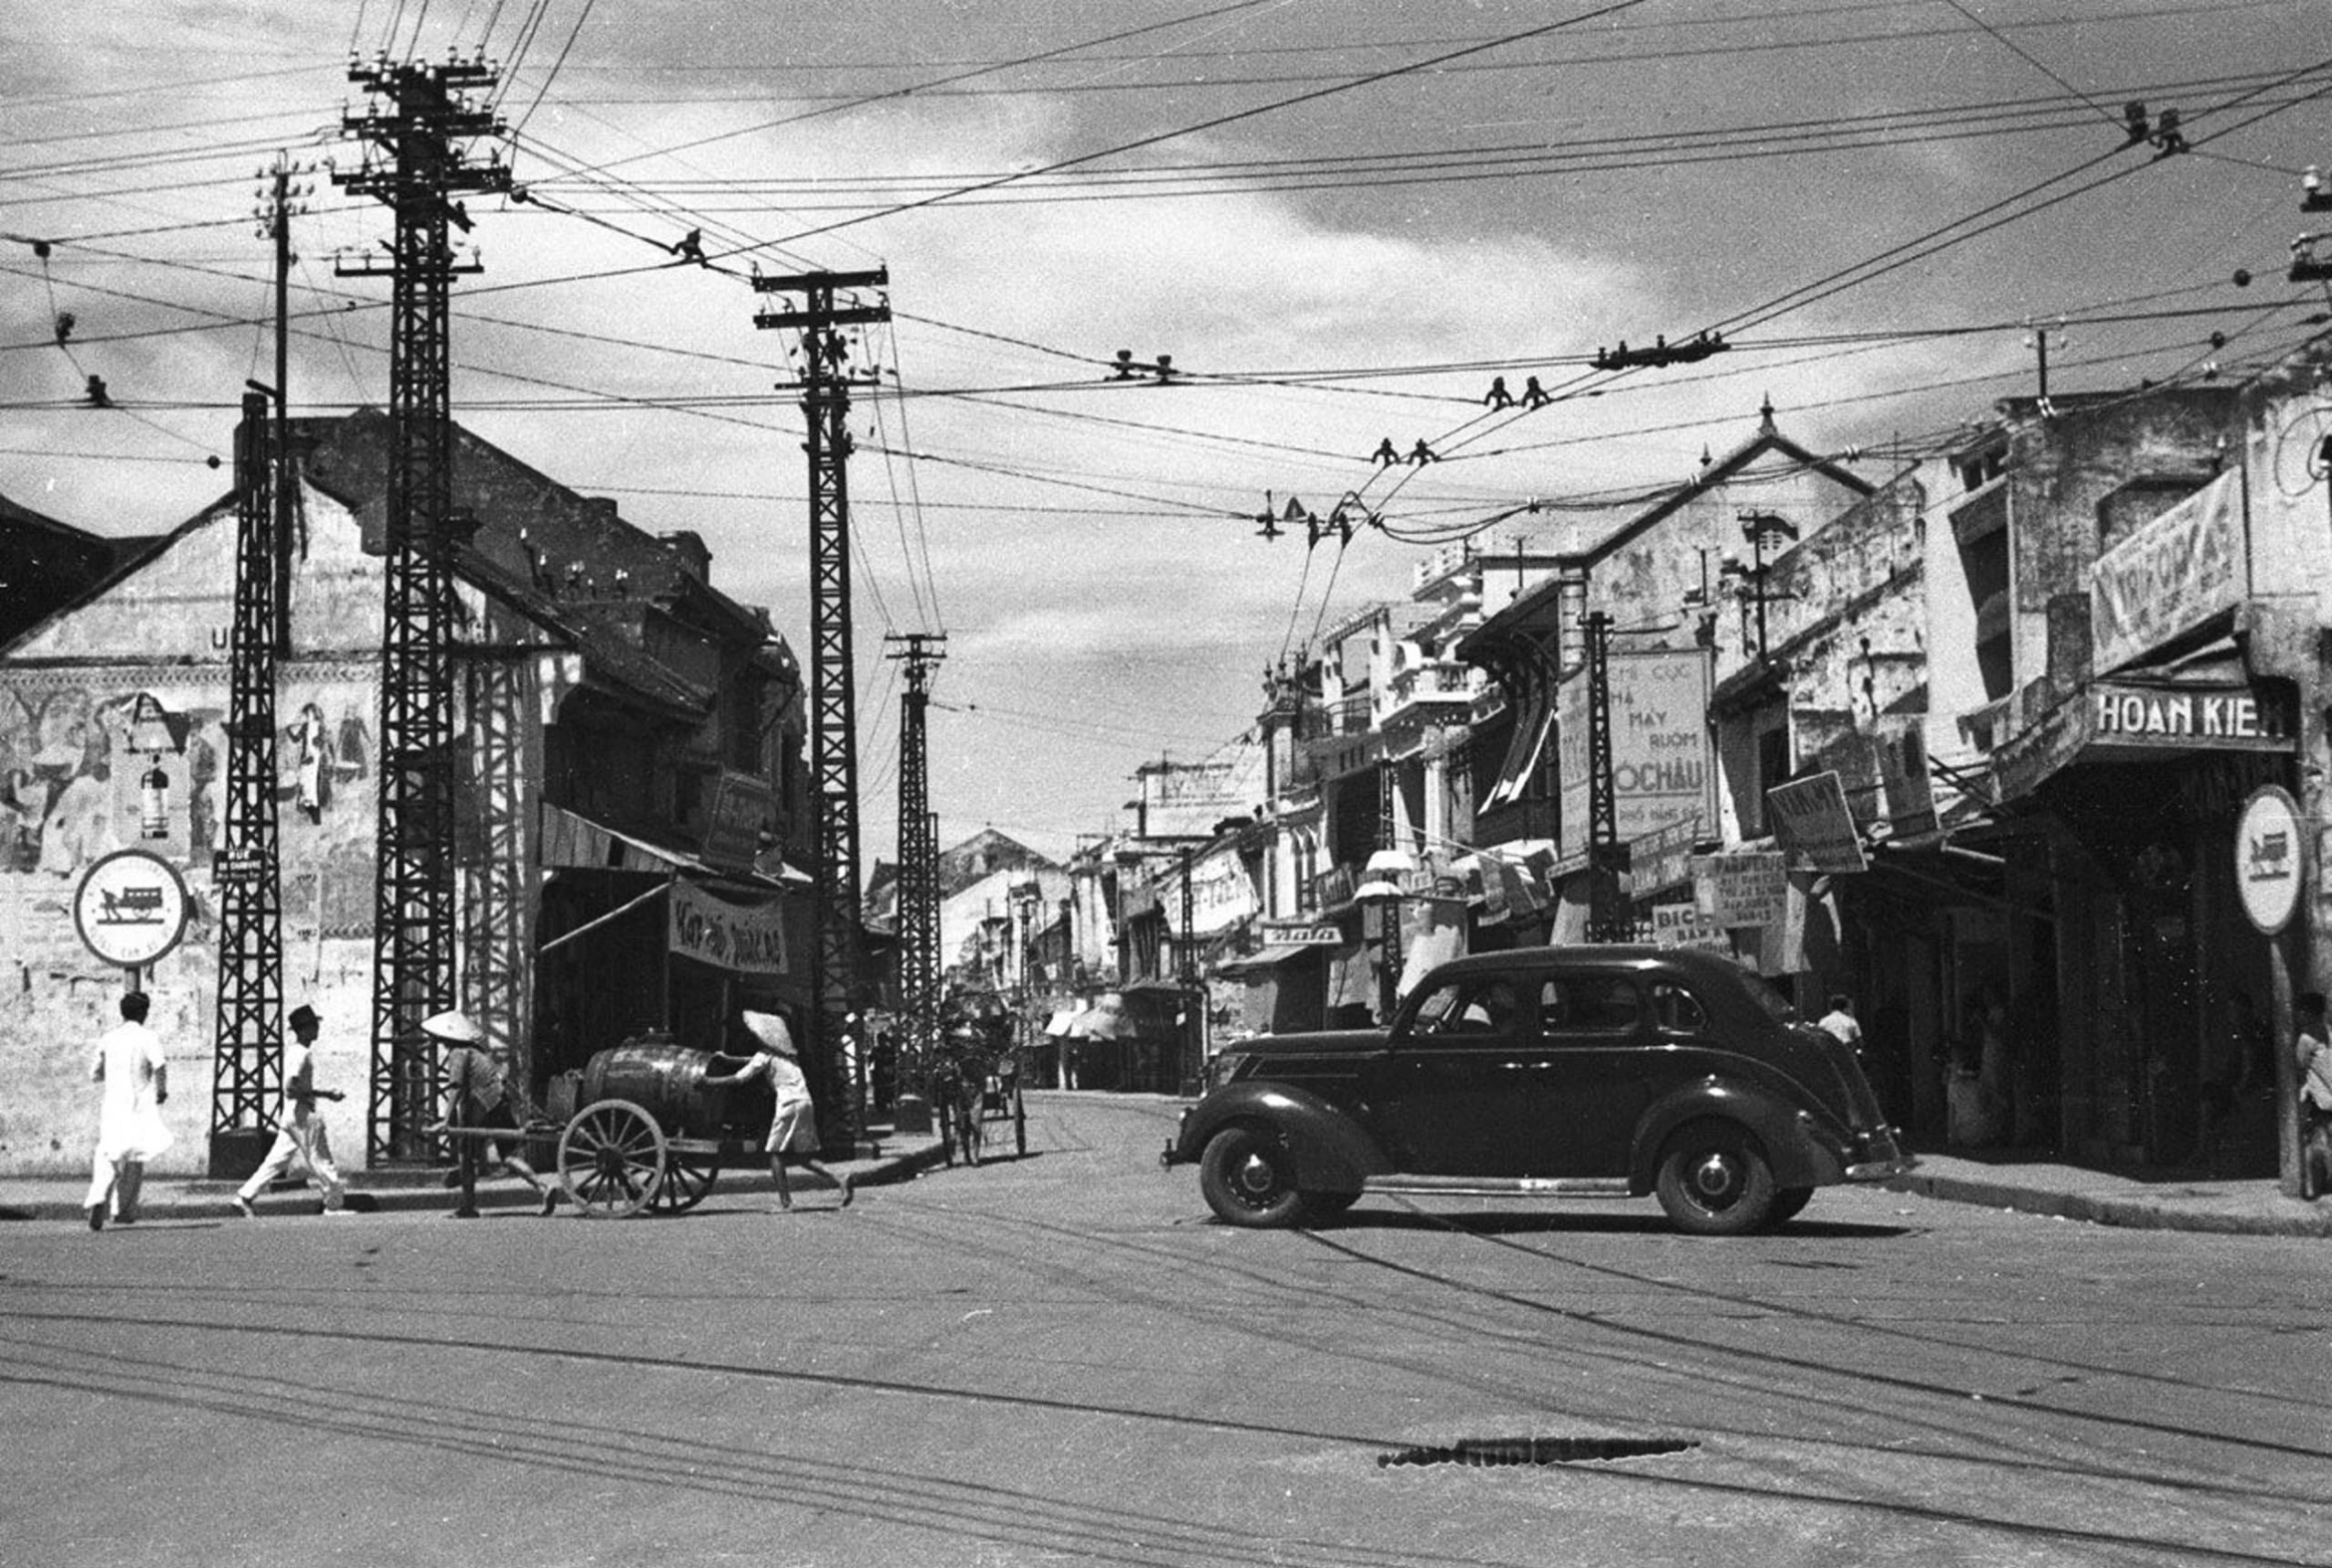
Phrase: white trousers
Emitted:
{"points": [[308, 1143]]}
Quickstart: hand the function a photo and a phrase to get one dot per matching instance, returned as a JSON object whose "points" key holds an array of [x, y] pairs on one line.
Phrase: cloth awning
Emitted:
{"points": [[574, 842], [1271, 954], [1524, 751]]}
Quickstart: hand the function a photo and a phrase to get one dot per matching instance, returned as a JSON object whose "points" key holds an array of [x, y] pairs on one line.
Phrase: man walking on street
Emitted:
{"points": [[129, 1062], [299, 1131], [479, 1098]]}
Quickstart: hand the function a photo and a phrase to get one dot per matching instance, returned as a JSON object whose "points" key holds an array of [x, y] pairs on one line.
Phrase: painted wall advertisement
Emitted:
{"points": [[1188, 799], [748, 938], [1661, 770]]}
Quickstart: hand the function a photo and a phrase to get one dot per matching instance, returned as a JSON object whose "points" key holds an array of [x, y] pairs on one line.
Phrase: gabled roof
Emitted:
{"points": [[1767, 442]]}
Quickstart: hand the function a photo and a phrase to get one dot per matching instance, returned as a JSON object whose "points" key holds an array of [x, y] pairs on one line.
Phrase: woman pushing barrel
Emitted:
{"points": [[793, 1130]]}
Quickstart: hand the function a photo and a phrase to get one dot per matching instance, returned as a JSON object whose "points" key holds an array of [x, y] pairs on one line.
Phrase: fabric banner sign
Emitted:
{"points": [[748, 938]]}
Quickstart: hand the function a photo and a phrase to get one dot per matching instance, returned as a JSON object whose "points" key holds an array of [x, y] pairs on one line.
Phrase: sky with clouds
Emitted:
{"points": [[1340, 218]]}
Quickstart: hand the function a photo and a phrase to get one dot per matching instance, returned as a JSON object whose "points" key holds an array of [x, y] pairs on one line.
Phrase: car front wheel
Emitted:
{"points": [[1714, 1181], [1249, 1180]]}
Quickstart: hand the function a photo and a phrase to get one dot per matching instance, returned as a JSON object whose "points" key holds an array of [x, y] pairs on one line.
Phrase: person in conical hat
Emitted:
{"points": [[479, 1098], [793, 1130]]}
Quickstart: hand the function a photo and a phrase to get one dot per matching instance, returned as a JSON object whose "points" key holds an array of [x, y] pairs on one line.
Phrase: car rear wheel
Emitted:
{"points": [[1714, 1181], [1788, 1204], [1249, 1180]]}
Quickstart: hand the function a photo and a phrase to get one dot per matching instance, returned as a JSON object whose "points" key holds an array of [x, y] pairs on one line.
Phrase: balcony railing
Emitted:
{"points": [[1443, 681]]}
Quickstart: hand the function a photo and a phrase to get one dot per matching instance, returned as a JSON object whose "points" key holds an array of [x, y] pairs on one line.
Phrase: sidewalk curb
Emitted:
{"points": [[2128, 1214], [203, 1199]]}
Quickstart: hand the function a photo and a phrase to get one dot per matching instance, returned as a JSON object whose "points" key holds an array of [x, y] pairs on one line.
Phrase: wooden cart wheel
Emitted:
{"points": [[688, 1178], [611, 1159]]}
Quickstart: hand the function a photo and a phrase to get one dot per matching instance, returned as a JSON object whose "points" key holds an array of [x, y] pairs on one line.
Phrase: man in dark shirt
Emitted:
{"points": [[479, 1100]]}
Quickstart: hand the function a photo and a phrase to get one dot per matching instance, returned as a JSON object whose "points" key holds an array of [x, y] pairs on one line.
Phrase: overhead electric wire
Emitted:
{"points": [[1827, 40], [1219, 120], [929, 86]]}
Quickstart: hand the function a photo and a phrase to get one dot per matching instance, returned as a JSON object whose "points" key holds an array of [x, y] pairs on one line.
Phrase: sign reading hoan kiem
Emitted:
{"points": [[2233, 718], [2169, 576]]}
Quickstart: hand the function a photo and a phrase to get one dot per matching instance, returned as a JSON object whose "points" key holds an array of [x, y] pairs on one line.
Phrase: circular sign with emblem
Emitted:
{"points": [[2270, 858], [130, 907]]}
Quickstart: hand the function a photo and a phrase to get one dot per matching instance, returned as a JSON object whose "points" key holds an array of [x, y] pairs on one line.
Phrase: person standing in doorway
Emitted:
{"points": [[479, 1100], [793, 1130], [2313, 1049], [299, 1131], [128, 1063], [1839, 1023]]}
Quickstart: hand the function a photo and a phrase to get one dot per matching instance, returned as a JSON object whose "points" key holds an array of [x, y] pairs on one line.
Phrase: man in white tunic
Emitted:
{"points": [[128, 1063], [299, 1131]]}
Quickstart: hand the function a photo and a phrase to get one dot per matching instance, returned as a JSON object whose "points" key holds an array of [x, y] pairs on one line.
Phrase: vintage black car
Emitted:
{"points": [[1607, 1071]]}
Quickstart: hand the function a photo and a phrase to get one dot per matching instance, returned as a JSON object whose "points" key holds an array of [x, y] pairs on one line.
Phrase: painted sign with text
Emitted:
{"points": [[2169, 576], [1811, 821], [1661, 770], [1747, 889], [748, 938], [2223, 719]]}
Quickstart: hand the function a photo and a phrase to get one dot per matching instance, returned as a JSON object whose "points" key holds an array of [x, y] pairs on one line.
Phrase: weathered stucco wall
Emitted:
{"points": [[71, 791]]}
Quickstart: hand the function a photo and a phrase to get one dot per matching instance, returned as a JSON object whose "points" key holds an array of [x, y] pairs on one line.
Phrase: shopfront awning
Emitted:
{"points": [[1271, 954], [1524, 751], [574, 842]]}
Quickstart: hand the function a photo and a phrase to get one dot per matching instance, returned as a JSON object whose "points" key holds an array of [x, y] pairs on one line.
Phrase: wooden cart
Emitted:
{"points": [[638, 1129]]}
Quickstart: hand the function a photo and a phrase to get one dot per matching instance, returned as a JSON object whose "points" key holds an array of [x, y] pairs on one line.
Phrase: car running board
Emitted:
{"points": [[1499, 1187]]}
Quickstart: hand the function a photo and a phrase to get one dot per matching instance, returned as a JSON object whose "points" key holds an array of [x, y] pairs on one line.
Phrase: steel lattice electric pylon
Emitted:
{"points": [[414, 928], [918, 864], [825, 386], [248, 1038]]}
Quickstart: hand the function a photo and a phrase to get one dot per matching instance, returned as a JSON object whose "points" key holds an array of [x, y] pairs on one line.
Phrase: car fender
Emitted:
{"points": [[1333, 1153], [1795, 1145]]}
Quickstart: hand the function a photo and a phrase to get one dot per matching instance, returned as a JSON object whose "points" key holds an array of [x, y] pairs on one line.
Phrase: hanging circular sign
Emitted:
{"points": [[130, 907], [2270, 858]]}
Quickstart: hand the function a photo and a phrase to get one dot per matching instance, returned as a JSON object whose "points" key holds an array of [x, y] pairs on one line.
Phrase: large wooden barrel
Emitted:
{"points": [[663, 1076]]}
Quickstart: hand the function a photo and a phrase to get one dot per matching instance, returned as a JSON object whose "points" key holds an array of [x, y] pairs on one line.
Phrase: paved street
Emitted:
{"points": [[1063, 1359]]}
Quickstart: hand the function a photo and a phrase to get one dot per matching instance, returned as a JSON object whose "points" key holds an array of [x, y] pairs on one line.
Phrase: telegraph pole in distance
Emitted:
{"points": [[918, 867], [825, 388], [413, 928]]}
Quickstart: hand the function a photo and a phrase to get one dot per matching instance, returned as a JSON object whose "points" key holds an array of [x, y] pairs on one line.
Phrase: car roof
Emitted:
{"points": [[1692, 962]]}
